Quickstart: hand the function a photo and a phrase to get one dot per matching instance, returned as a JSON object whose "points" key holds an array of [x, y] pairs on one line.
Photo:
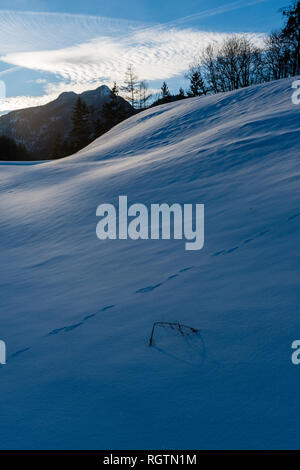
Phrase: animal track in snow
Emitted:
{"points": [[231, 250], [73, 326], [148, 289], [186, 269], [292, 217], [20, 351], [106, 308], [172, 277], [248, 241], [245, 242]]}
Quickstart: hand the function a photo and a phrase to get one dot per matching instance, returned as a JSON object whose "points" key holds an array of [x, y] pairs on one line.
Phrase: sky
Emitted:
{"points": [[48, 47]]}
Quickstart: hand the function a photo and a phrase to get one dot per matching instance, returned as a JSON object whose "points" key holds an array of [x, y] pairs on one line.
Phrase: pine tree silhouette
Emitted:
{"points": [[113, 111], [81, 131], [58, 148], [292, 32], [197, 86], [165, 93], [181, 93]]}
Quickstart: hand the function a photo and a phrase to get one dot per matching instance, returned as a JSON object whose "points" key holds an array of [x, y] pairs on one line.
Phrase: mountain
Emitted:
{"points": [[38, 127], [77, 312]]}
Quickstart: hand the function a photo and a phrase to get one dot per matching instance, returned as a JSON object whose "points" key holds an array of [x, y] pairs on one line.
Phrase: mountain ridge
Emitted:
{"points": [[38, 127]]}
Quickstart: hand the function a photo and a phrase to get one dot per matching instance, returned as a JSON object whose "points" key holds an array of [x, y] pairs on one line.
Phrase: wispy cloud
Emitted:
{"points": [[237, 5], [86, 51], [9, 70]]}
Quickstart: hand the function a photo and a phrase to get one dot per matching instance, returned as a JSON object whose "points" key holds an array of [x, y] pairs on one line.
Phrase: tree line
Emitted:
{"points": [[86, 127], [12, 151], [236, 63]]}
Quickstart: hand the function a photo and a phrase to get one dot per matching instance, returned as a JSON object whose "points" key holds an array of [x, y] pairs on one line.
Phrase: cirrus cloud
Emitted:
{"points": [[84, 52]]}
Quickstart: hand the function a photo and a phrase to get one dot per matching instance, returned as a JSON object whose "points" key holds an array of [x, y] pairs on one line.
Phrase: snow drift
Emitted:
{"points": [[77, 313]]}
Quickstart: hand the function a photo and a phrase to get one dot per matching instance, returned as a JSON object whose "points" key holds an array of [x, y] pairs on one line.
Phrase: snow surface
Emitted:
{"points": [[77, 313]]}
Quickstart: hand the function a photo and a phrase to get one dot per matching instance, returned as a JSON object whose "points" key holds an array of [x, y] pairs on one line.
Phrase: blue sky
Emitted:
{"points": [[261, 15], [49, 47]]}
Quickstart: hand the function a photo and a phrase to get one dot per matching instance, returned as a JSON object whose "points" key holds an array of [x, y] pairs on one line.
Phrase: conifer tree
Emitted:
{"points": [[99, 128], [58, 148], [113, 110], [81, 131], [165, 92], [181, 93], [10, 150], [292, 32], [197, 86]]}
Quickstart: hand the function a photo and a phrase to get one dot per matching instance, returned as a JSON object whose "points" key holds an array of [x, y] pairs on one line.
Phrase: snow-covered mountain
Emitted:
{"points": [[77, 312], [37, 128]]}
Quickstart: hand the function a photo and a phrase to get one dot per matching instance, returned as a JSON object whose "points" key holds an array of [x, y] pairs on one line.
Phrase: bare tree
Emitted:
{"points": [[236, 63], [277, 56], [131, 86], [143, 94], [209, 69]]}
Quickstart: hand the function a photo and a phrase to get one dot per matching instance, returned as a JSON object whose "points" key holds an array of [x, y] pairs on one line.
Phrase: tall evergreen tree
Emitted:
{"points": [[113, 110], [99, 128], [165, 92], [115, 89], [197, 86], [58, 148], [292, 32], [81, 131], [181, 93]]}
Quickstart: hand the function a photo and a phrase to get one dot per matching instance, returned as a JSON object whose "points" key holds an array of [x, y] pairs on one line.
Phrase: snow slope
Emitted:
{"points": [[76, 312]]}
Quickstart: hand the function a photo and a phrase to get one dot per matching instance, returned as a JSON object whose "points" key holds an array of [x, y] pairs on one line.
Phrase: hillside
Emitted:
{"points": [[77, 312], [37, 128]]}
